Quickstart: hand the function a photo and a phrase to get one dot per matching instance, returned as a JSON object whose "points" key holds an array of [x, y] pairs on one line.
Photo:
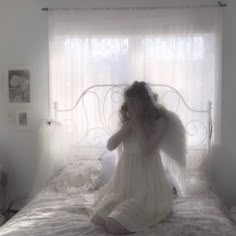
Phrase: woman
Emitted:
{"points": [[138, 196]]}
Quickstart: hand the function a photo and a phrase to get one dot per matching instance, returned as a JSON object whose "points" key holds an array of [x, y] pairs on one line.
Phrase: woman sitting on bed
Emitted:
{"points": [[138, 196]]}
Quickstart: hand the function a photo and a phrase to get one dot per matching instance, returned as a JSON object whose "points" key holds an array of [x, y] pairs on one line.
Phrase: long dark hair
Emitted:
{"points": [[144, 93]]}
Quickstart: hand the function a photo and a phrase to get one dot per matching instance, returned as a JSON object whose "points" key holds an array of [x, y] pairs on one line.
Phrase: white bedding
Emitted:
{"points": [[55, 213]]}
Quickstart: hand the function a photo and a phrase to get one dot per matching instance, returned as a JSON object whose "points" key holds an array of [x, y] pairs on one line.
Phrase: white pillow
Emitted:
{"points": [[81, 175], [108, 162]]}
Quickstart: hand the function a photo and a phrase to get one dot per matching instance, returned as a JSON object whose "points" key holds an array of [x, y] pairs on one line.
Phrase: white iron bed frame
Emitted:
{"points": [[205, 122]]}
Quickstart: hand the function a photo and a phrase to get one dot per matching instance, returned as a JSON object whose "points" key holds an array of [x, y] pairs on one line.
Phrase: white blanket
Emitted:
{"points": [[60, 214]]}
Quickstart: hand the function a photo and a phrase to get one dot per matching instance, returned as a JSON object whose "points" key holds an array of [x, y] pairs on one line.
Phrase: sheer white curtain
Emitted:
{"points": [[180, 48]]}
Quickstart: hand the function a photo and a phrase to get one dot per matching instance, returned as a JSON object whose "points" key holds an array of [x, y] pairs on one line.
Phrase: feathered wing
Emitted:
{"points": [[174, 150], [173, 146], [173, 142]]}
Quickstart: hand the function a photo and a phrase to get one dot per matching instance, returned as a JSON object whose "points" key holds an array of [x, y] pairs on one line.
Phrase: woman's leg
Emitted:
{"points": [[114, 227]]}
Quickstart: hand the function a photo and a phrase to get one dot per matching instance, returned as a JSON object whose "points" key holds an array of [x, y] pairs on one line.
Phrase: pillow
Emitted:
{"points": [[86, 173], [108, 162], [81, 175], [197, 183]]}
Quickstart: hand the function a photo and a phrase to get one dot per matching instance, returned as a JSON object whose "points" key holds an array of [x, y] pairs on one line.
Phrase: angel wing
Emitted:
{"points": [[174, 141], [173, 146]]}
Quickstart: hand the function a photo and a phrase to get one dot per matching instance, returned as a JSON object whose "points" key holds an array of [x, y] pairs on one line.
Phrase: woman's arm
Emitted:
{"points": [[150, 139], [115, 140]]}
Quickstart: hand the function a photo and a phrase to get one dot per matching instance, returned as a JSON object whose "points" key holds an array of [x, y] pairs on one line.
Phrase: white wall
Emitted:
{"points": [[229, 77], [226, 158], [23, 41]]}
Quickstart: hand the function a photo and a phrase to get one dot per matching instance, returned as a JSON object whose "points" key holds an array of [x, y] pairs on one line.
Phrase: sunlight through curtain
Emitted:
{"points": [[176, 47]]}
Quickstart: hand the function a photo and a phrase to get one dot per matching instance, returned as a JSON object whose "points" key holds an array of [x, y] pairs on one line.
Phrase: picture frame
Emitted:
{"points": [[22, 119], [18, 85]]}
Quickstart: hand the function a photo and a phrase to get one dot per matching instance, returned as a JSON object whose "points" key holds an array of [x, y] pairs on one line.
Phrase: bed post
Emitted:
{"points": [[209, 127], [55, 108]]}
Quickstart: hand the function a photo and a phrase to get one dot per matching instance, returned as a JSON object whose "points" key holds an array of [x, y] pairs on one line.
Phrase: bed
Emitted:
{"points": [[53, 213], [59, 209]]}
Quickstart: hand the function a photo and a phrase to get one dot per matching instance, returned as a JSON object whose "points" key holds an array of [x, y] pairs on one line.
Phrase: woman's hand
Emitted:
{"points": [[126, 129], [115, 140], [149, 136], [138, 126]]}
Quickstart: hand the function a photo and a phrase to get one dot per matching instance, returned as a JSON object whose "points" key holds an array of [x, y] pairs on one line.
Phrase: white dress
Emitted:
{"points": [[138, 195]]}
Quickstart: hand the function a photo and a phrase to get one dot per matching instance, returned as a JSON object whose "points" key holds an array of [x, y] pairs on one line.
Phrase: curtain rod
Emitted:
{"points": [[219, 4]]}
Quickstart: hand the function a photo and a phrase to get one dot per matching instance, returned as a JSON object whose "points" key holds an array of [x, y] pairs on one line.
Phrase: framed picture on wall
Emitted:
{"points": [[22, 119], [18, 81]]}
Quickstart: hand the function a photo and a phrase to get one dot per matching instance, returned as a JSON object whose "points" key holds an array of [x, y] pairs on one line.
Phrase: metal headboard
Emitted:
{"points": [[198, 123]]}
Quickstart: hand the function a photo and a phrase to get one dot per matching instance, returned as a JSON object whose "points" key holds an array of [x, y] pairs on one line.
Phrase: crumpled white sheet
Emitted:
{"points": [[60, 209], [53, 213]]}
